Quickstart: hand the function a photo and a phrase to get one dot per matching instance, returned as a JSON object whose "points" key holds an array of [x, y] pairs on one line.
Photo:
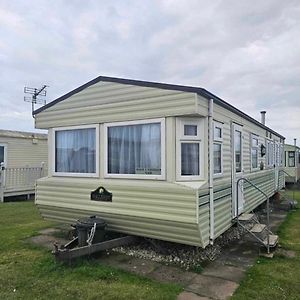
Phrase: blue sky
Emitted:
{"points": [[246, 52]]}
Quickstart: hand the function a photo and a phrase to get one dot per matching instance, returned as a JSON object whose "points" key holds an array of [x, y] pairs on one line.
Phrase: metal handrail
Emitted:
{"points": [[268, 206]]}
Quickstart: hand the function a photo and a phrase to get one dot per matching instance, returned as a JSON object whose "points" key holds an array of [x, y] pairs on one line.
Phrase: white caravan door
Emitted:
{"points": [[237, 168]]}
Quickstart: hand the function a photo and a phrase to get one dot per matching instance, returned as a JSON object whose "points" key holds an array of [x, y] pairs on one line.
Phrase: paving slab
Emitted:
{"points": [[220, 270], [190, 296], [285, 253], [128, 263], [241, 254], [212, 287], [172, 274], [47, 241]]}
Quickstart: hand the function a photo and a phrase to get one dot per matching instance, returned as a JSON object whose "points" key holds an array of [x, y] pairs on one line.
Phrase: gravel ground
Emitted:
{"points": [[187, 257]]}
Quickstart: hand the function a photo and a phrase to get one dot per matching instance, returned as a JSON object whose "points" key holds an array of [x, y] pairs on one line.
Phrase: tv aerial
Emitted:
{"points": [[36, 94]]}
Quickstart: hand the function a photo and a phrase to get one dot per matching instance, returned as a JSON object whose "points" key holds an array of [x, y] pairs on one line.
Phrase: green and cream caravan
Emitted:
{"points": [[292, 163], [170, 155], [23, 159]]}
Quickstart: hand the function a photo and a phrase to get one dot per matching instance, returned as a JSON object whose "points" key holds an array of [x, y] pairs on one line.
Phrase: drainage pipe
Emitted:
{"points": [[211, 170]]}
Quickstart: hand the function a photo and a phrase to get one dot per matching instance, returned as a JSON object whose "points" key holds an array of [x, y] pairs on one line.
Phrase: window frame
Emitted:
{"points": [[288, 159], [219, 141], [181, 138], [270, 143], [254, 147], [5, 153], [162, 176], [97, 153]]}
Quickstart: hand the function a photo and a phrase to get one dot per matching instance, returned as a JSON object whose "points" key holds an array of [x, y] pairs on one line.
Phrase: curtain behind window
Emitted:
{"points": [[1, 154], [134, 149], [75, 151], [190, 159]]}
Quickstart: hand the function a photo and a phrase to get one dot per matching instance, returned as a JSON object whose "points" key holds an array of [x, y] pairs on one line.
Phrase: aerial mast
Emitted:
{"points": [[41, 92]]}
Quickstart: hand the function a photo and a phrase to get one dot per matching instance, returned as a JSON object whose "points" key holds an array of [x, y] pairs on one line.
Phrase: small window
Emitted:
{"points": [[1, 154], [190, 159], [238, 151], [217, 158], [291, 158], [190, 130], [217, 150], [217, 132], [188, 155], [270, 153], [75, 151], [254, 152]]}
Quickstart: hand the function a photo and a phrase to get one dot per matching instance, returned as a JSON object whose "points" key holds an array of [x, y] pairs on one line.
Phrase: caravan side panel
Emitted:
{"points": [[153, 209]]}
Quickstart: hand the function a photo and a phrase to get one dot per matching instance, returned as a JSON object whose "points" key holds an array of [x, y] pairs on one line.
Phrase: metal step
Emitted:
{"points": [[259, 230], [273, 240], [246, 217]]}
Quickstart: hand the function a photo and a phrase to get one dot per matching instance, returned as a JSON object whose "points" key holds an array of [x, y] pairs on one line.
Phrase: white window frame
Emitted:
{"points": [[219, 141], [256, 147], [97, 142], [162, 176], [5, 153], [281, 154], [294, 165], [268, 154], [181, 138]]}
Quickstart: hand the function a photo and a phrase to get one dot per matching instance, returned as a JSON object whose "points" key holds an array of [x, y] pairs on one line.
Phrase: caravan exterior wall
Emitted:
{"points": [[292, 163], [22, 149], [167, 204]]}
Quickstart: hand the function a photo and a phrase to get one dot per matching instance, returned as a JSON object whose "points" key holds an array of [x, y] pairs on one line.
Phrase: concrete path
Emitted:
{"points": [[218, 280]]}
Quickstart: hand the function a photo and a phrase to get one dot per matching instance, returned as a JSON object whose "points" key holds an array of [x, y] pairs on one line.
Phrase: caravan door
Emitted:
{"points": [[237, 169]]}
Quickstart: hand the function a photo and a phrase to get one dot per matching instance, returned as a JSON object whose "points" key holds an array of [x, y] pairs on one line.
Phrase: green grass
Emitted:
{"points": [[277, 278], [30, 272]]}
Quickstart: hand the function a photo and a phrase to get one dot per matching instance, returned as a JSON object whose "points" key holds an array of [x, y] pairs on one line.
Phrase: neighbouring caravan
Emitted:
{"points": [[292, 163], [170, 155], [23, 159]]}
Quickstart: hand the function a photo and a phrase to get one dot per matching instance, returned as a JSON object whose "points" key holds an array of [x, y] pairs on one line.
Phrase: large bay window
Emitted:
{"points": [[135, 149], [254, 152], [188, 145], [76, 151], [217, 151]]}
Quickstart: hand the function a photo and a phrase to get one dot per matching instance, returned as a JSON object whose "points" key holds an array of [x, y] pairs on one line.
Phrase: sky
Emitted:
{"points": [[246, 52]]}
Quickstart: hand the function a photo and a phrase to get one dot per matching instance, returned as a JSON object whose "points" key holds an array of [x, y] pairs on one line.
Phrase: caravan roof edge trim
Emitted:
{"points": [[191, 89]]}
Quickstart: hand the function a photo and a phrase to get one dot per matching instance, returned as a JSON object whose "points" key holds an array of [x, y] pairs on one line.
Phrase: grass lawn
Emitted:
{"points": [[277, 278], [30, 272]]}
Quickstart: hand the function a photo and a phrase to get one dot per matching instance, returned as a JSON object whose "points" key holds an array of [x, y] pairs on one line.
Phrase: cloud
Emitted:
{"points": [[245, 52]]}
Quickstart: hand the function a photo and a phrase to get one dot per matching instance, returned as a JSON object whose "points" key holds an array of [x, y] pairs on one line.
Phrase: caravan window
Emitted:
{"points": [[188, 148], [1, 154], [76, 151], [238, 150], [218, 148], [270, 153], [135, 149], [254, 152], [291, 158]]}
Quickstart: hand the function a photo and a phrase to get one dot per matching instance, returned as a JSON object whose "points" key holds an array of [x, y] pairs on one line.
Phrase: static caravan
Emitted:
{"points": [[292, 163], [23, 159], [169, 155]]}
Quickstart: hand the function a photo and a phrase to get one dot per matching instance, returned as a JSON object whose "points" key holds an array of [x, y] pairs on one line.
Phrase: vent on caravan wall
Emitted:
{"points": [[263, 117]]}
